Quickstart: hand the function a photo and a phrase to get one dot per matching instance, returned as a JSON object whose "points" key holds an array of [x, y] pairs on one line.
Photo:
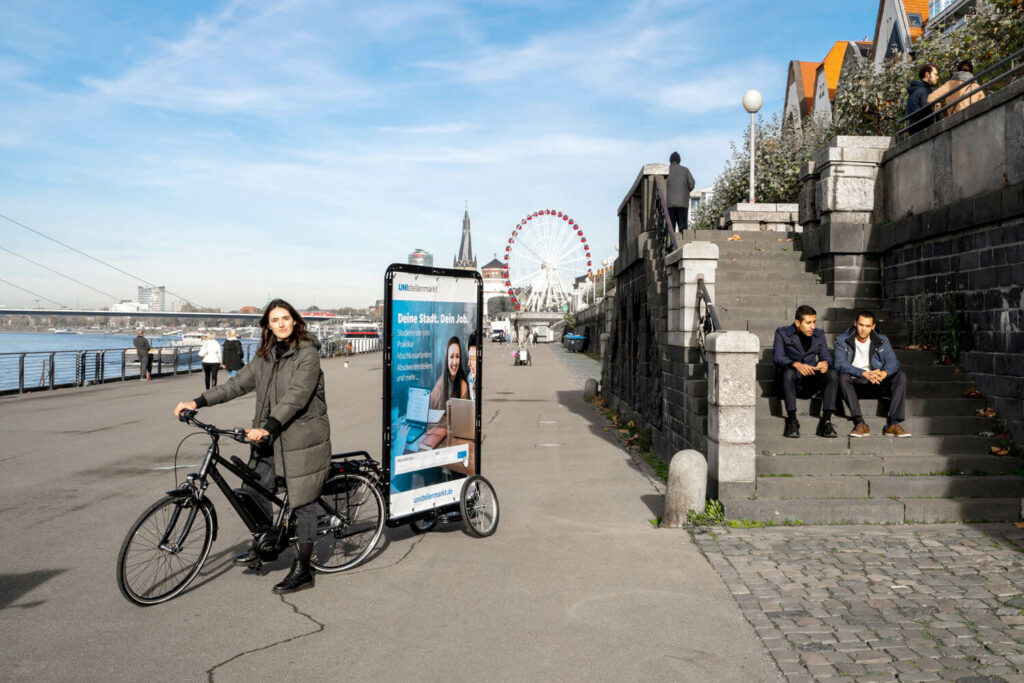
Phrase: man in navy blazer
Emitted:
{"points": [[803, 366]]}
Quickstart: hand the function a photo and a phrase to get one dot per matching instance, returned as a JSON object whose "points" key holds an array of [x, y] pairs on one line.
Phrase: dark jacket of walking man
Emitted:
{"points": [[142, 350], [803, 366], [680, 185], [868, 365], [917, 98]]}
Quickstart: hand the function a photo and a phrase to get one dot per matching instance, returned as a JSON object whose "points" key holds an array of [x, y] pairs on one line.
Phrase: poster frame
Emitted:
{"points": [[386, 399]]}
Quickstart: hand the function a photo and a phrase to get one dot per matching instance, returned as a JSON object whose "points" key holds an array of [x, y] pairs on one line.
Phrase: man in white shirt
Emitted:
{"points": [[867, 364]]}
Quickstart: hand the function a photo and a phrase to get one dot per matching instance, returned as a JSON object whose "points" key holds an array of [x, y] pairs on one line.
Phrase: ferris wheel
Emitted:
{"points": [[545, 254]]}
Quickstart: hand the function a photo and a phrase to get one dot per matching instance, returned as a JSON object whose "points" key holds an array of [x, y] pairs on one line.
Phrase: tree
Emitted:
{"points": [[872, 102], [779, 156], [498, 305]]}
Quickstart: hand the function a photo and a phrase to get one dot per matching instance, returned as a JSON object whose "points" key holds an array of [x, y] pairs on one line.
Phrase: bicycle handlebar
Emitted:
{"points": [[238, 434]]}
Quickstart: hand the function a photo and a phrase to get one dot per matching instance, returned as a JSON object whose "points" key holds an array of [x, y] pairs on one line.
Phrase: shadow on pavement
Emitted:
{"points": [[13, 586]]}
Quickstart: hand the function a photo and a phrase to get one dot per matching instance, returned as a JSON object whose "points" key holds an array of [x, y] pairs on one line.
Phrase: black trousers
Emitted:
{"points": [[262, 460], [210, 371], [795, 385], [893, 385], [678, 214]]}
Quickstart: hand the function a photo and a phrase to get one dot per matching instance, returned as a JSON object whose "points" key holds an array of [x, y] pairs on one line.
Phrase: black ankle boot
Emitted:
{"points": [[301, 576]]}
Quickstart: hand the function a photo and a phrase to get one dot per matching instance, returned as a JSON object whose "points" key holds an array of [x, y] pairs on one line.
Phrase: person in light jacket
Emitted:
{"points": [[210, 353], [951, 90], [291, 429]]}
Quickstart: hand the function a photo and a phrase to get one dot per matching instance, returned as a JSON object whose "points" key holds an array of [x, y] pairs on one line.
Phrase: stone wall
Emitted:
{"points": [[932, 229]]}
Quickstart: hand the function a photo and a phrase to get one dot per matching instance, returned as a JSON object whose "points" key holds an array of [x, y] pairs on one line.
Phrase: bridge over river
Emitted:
{"points": [[576, 583]]}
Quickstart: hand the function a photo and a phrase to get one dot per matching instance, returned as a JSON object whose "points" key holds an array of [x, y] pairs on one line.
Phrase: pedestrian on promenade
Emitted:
{"points": [[680, 185], [234, 357], [803, 366], [210, 353], [142, 351], [291, 432], [918, 91], [867, 365], [953, 89]]}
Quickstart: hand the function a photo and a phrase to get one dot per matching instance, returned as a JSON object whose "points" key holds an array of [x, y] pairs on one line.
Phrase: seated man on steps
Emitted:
{"points": [[867, 364], [803, 366]]}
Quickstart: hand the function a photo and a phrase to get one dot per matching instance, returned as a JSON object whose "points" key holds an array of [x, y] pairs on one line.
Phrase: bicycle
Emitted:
{"points": [[170, 542]]}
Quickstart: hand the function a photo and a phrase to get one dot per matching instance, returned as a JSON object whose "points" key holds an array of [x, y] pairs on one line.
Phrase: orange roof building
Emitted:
{"points": [[799, 93], [899, 25], [826, 80]]}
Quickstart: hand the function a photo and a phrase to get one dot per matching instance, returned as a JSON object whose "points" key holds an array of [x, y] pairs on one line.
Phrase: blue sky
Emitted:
{"points": [[231, 150]]}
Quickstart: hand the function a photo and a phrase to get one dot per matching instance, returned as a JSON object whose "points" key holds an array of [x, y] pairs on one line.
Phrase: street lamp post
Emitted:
{"points": [[752, 103], [604, 276]]}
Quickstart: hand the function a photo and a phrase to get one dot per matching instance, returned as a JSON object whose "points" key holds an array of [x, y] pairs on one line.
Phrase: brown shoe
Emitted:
{"points": [[860, 430], [895, 430]]}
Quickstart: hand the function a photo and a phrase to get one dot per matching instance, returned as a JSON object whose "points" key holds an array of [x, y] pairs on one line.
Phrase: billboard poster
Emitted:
{"points": [[432, 378]]}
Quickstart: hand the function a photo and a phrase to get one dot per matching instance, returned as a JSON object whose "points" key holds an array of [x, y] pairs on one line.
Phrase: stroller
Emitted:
{"points": [[522, 357]]}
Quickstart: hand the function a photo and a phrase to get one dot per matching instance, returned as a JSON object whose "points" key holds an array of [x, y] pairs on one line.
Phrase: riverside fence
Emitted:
{"points": [[29, 371]]}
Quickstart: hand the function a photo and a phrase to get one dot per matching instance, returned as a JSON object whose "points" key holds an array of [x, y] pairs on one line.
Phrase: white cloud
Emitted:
{"points": [[722, 87]]}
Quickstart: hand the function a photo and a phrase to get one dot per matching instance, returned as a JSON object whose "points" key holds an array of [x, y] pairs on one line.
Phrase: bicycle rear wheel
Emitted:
{"points": [[164, 550], [350, 524], [479, 506]]}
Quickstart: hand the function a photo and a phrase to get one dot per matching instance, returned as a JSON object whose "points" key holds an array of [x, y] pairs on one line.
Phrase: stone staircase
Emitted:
{"points": [[945, 472]]}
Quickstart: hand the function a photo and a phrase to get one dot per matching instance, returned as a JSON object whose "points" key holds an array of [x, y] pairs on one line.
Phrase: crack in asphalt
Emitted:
{"points": [[319, 628], [496, 414]]}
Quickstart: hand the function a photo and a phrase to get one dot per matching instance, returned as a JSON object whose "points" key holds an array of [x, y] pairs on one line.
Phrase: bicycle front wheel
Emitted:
{"points": [[350, 524], [479, 506], [164, 550]]}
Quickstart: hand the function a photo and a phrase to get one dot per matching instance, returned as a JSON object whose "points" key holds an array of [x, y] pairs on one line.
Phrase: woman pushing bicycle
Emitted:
{"points": [[291, 434]]}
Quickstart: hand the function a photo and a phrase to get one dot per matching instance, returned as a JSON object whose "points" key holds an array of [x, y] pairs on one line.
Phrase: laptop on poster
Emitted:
{"points": [[462, 418], [417, 412]]}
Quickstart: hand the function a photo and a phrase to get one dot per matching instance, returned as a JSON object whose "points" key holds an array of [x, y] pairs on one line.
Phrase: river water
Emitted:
{"points": [[26, 357]]}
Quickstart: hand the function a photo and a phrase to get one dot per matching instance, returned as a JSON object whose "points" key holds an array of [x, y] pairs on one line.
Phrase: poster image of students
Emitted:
{"points": [[432, 417]]}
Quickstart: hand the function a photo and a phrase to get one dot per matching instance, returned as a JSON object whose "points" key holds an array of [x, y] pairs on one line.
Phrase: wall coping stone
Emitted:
{"points": [[647, 169], [698, 250], [975, 110], [725, 341], [747, 206]]}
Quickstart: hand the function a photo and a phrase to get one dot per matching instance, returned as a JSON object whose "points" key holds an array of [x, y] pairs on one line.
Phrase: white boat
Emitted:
{"points": [[189, 339], [360, 328]]}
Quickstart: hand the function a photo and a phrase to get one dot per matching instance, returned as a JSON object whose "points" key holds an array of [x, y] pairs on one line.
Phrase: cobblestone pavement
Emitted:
{"points": [[579, 365], [915, 603]]}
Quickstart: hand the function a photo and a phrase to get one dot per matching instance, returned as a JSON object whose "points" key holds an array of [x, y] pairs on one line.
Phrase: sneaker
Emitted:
{"points": [[792, 430], [827, 430], [860, 430], [895, 430]]}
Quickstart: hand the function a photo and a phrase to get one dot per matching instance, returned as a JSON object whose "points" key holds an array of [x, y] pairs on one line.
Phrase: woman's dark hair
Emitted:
{"points": [[450, 385], [267, 337], [674, 158], [965, 65]]}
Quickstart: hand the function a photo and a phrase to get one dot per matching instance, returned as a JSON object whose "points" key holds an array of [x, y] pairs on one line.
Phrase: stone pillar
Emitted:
{"points": [[695, 260], [686, 488], [732, 390], [761, 218]]}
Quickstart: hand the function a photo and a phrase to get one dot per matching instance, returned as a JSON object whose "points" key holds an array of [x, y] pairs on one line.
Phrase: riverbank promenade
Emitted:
{"points": [[575, 585]]}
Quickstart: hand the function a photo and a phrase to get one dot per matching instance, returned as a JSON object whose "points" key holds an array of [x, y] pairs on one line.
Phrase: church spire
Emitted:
{"points": [[465, 259]]}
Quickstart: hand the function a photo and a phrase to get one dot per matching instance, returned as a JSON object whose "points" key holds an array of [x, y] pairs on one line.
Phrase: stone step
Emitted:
{"points": [[921, 403], [915, 373], [722, 236], [817, 511], [728, 296], [829, 326], [882, 445], [918, 425], [766, 335], [849, 465], [934, 510], [874, 510], [925, 486], [905, 356], [776, 314]]}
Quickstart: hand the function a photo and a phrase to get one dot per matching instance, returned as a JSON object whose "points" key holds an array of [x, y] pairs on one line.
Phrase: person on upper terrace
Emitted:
{"points": [[950, 91], [868, 365], [918, 91], [803, 366], [678, 188]]}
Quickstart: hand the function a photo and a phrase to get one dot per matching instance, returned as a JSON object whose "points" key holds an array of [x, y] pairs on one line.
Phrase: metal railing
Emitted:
{"points": [[662, 221], [935, 116], [708, 319]]}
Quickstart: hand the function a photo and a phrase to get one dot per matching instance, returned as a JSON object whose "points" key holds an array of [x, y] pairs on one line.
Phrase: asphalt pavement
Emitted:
{"points": [[575, 585]]}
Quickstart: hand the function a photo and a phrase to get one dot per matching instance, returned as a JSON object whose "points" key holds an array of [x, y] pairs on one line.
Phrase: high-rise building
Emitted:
{"points": [[465, 259], [154, 298], [420, 257]]}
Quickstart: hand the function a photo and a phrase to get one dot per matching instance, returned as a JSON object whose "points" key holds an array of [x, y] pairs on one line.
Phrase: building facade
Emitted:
{"points": [[153, 298]]}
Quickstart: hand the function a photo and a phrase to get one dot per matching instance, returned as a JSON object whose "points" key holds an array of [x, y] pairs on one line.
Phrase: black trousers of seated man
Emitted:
{"points": [[794, 385], [894, 386]]}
